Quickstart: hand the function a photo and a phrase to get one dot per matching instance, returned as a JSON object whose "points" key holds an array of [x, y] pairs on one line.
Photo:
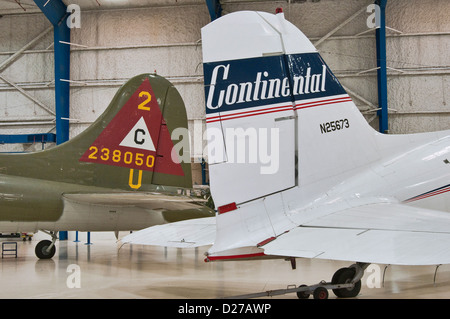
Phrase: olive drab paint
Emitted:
{"points": [[40, 179], [129, 139]]}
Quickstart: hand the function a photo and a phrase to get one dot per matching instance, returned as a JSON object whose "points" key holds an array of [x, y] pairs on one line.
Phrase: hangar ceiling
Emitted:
{"points": [[28, 6]]}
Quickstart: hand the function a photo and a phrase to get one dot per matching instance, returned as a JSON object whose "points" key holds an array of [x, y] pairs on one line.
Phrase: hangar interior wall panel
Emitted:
{"points": [[164, 36]]}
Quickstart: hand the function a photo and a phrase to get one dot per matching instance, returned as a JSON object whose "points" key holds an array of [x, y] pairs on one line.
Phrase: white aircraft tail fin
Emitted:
{"points": [[276, 115], [295, 169]]}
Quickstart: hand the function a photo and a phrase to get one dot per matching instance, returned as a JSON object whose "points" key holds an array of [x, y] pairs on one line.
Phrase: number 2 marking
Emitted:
{"points": [[143, 106], [94, 150]]}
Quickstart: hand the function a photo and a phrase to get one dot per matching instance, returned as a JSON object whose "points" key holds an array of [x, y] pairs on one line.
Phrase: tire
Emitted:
{"points": [[320, 293], [302, 294], [41, 250], [344, 276]]}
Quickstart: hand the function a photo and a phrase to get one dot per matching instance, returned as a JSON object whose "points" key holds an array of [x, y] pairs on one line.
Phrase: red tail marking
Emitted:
{"points": [[137, 137]]}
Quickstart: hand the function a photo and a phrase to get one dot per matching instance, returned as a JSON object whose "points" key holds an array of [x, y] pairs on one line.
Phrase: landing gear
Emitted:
{"points": [[346, 283], [46, 249], [346, 276]]}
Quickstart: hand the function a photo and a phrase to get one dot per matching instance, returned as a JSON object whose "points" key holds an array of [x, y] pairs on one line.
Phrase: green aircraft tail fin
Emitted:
{"points": [[128, 147]]}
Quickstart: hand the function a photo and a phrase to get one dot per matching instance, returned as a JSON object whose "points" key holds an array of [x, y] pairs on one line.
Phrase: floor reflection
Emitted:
{"points": [[109, 270]]}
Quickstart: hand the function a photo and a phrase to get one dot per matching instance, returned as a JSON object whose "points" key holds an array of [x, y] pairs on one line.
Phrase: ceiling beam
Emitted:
{"points": [[214, 8]]}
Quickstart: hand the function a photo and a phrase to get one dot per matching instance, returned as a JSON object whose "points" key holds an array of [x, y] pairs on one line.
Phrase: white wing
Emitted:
{"points": [[188, 233], [378, 233]]}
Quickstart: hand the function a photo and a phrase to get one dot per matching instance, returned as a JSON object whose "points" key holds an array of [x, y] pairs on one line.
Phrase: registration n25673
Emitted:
{"points": [[333, 126]]}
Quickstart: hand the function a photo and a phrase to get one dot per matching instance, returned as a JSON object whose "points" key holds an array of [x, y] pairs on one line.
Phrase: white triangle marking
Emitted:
{"points": [[139, 137]]}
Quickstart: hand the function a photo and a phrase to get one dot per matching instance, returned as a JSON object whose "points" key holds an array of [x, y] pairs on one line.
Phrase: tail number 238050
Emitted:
{"points": [[117, 156]]}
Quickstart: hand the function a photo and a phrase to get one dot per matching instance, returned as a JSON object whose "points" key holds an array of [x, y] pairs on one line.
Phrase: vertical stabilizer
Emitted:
{"points": [[129, 147], [278, 121], [276, 115]]}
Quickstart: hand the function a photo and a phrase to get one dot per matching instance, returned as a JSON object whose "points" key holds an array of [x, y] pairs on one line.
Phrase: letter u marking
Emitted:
{"points": [[130, 180]]}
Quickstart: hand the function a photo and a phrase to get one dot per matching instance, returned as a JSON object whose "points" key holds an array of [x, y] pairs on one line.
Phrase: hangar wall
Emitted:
{"points": [[122, 42]]}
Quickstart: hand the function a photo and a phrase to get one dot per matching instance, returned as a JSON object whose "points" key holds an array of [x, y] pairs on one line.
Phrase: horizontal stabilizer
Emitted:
{"points": [[188, 233], [411, 237], [149, 200], [378, 233], [386, 216], [368, 246]]}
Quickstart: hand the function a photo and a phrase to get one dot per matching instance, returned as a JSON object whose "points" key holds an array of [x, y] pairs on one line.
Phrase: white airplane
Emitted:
{"points": [[340, 190]]}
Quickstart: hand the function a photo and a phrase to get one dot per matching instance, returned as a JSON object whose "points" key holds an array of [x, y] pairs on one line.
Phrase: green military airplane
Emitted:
{"points": [[119, 174]]}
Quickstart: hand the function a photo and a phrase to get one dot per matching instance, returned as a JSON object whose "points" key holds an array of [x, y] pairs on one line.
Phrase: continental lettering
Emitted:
{"points": [[262, 88]]}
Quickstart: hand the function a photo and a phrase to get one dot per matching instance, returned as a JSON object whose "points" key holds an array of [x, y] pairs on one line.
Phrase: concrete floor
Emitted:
{"points": [[102, 270]]}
